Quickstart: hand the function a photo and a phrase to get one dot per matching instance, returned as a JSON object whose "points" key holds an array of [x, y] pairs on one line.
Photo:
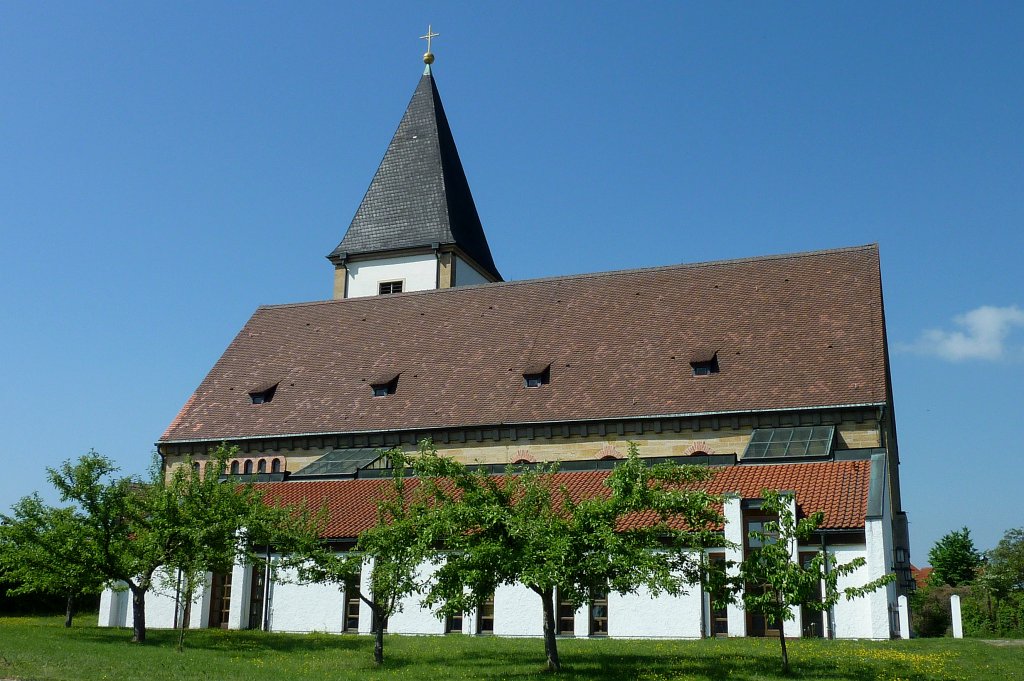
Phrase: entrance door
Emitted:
{"points": [[257, 594], [351, 622], [220, 601], [754, 521], [813, 620], [757, 626], [719, 616]]}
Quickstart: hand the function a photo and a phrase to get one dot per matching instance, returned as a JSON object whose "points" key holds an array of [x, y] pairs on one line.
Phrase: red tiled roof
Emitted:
{"points": [[920, 575], [839, 489], [791, 331]]}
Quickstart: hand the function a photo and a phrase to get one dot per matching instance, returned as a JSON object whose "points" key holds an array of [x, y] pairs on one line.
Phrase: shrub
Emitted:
{"points": [[930, 611]]}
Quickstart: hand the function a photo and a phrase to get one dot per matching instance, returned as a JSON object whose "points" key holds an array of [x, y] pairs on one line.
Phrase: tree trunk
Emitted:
{"points": [[138, 614], [378, 637], [782, 641], [550, 643], [70, 611], [184, 622]]}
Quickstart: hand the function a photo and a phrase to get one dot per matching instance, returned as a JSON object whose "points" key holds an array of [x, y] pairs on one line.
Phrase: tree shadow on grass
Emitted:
{"points": [[236, 641], [698, 661], [582, 660]]}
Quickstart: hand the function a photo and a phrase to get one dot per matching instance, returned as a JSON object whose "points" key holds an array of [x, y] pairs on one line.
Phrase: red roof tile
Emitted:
{"points": [[921, 575], [792, 331], [839, 489]]}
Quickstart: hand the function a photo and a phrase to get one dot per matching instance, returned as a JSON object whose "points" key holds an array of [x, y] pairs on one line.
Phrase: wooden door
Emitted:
{"points": [[220, 601]]}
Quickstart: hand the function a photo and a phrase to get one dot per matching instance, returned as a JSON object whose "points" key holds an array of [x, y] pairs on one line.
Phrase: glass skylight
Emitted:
{"points": [[340, 462], [785, 443]]}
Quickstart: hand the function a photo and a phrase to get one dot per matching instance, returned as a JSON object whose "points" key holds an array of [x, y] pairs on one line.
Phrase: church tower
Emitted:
{"points": [[417, 227]]}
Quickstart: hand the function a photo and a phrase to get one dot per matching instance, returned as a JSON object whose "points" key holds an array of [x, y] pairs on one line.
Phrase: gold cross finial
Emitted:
{"points": [[428, 56]]}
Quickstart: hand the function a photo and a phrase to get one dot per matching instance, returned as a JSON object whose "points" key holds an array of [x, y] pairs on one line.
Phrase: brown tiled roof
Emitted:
{"points": [[839, 489], [791, 331]]}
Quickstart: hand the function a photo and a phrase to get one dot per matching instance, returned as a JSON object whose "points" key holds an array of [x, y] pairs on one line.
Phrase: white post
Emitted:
{"points": [[904, 612], [958, 624]]}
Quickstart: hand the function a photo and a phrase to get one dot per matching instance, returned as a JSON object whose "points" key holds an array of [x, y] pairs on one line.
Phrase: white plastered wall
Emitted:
{"points": [[732, 509], [199, 615], [114, 606], [466, 274], [641, 615], [469, 622], [852, 618], [299, 607], [160, 606], [416, 272], [878, 549], [241, 583], [413, 618], [161, 599], [793, 628], [517, 611], [365, 611]]}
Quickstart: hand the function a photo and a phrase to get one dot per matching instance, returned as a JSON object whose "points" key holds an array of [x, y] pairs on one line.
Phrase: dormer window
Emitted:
{"points": [[704, 363], [536, 376], [384, 385], [388, 287], [263, 394]]}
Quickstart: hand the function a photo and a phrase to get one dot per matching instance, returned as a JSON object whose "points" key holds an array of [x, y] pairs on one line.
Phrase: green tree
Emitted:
{"points": [[395, 548], [217, 523], [524, 527], [39, 551], [131, 528], [954, 559], [771, 582], [996, 603], [1004, 571]]}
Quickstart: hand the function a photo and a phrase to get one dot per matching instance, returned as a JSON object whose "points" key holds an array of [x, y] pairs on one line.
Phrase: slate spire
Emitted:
{"points": [[419, 196]]}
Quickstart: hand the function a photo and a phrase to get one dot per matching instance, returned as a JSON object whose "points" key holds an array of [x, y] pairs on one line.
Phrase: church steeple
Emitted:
{"points": [[418, 204]]}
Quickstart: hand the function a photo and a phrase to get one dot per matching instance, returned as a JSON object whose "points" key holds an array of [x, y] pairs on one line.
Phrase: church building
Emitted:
{"points": [[774, 371]]}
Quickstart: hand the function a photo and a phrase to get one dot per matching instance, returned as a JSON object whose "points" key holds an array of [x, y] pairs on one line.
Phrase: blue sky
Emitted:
{"points": [[168, 167]]}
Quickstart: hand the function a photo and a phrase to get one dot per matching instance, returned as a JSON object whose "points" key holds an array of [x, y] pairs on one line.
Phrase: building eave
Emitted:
{"points": [[523, 424]]}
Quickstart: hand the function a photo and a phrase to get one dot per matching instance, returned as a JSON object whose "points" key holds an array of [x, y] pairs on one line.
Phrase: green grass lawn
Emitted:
{"points": [[40, 648]]}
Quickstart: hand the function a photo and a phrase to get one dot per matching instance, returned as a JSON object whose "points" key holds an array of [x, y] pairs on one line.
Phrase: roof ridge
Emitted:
{"points": [[593, 275]]}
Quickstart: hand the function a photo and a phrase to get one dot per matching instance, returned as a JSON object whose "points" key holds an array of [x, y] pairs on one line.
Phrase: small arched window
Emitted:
{"points": [[195, 467], [234, 468], [275, 466], [248, 467], [261, 467]]}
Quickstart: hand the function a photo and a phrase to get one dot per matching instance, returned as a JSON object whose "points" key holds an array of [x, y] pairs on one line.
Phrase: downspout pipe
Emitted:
{"points": [[266, 590], [829, 614]]}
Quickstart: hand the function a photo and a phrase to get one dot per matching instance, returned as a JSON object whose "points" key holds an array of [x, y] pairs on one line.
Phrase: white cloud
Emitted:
{"points": [[981, 333]]}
